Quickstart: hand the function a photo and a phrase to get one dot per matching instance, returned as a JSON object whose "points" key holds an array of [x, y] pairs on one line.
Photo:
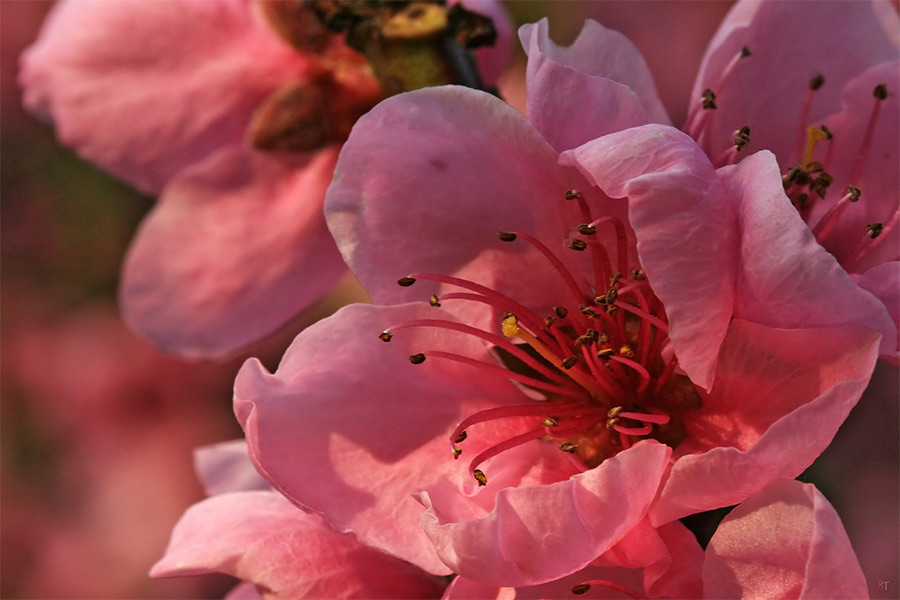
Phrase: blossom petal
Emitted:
{"points": [[780, 396], [767, 90], [264, 539], [236, 247], [786, 279], [595, 72], [686, 230], [786, 541], [352, 415], [226, 467], [883, 282], [539, 533], [487, 170], [145, 89]]}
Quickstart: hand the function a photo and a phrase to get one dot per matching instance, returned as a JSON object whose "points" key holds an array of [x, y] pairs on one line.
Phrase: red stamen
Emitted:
{"points": [[868, 244], [659, 419], [557, 264], [621, 241], [601, 375], [633, 431], [527, 316], [599, 256], [828, 221], [863, 153], [660, 324], [645, 375], [544, 409]]}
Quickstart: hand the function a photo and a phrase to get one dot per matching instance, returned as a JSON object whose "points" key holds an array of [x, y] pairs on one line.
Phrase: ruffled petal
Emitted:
{"points": [[788, 45], [351, 414], [686, 231], [558, 92], [786, 279], [539, 533], [235, 248], [783, 542], [779, 397], [425, 183], [145, 89], [262, 538]]}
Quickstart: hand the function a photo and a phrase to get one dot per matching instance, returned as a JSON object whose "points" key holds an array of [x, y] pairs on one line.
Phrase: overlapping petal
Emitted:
{"points": [[262, 538], [234, 249]]}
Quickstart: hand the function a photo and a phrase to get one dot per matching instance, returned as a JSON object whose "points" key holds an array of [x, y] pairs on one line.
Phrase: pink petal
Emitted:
{"points": [[767, 89], [425, 183], [783, 542], [878, 177], [539, 533], [262, 538], [235, 248], [686, 230], [786, 279], [558, 91], [883, 282], [351, 414], [779, 397], [145, 89], [226, 467]]}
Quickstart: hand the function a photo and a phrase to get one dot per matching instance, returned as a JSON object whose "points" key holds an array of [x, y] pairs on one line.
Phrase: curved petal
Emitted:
{"points": [[539, 533], [786, 541], [780, 396], [351, 414], [235, 248], [570, 107], [686, 231], [598, 52], [767, 90], [262, 538], [786, 279], [883, 282], [226, 467], [145, 89], [426, 181]]}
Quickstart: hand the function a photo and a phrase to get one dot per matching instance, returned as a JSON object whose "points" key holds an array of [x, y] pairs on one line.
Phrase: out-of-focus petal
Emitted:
{"points": [[487, 170], [145, 89], [767, 89], [686, 230], [883, 282], [226, 467], [350, 414], [571, 107], [779, 397], [236, 246], [785, 278], [262, 538], [492, 60], [539, 533], [783, 542]]}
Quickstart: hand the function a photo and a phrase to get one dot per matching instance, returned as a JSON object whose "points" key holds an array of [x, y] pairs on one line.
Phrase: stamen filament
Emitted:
{"points": [[642, 371], [544, 409], [868, 244], [558, 265], [867, 138], [602, 376], [621, 241], [633, 431], [659, 419], [529, 317], [828, 221], [660, 324]]}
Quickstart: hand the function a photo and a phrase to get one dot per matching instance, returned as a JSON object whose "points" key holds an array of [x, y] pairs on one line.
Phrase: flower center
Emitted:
{"points": [[596, 371], [807, 181]]}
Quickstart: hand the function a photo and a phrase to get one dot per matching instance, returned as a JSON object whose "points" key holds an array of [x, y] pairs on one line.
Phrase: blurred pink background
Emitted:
{"points": [[98, 427]]}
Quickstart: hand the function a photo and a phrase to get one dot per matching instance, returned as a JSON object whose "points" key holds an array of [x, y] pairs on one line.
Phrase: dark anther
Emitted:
{"points": [[506, 236], [587, 229], [568, 447], [741, 138], [828, 133], [821, 183], [816, 81], [569, 362], [550, 422], [606, 353], [614, 279], [880, 91], [580, 589], [790, 177], [626, 351], [417, 359], [479, 476], [802, 201], [614, 412], [573, 194], [406, 281], [638, 274], [461, 438], [602, 338], [873, 230], [385, 336], [814, 167], [854, 193], [589, 312], [434, 301], [561, 311], [456, 452], [708, 100], [745, 52], [593, 334], [549, 321], [578, 244]]}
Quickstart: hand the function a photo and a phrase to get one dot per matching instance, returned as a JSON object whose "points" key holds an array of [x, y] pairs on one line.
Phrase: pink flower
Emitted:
{"points": [[247, 530], [233, 112], [649, 384]]}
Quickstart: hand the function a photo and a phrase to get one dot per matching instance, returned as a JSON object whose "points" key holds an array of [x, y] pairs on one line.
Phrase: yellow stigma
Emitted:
{"points": [[814, 135], [511, 329]]}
